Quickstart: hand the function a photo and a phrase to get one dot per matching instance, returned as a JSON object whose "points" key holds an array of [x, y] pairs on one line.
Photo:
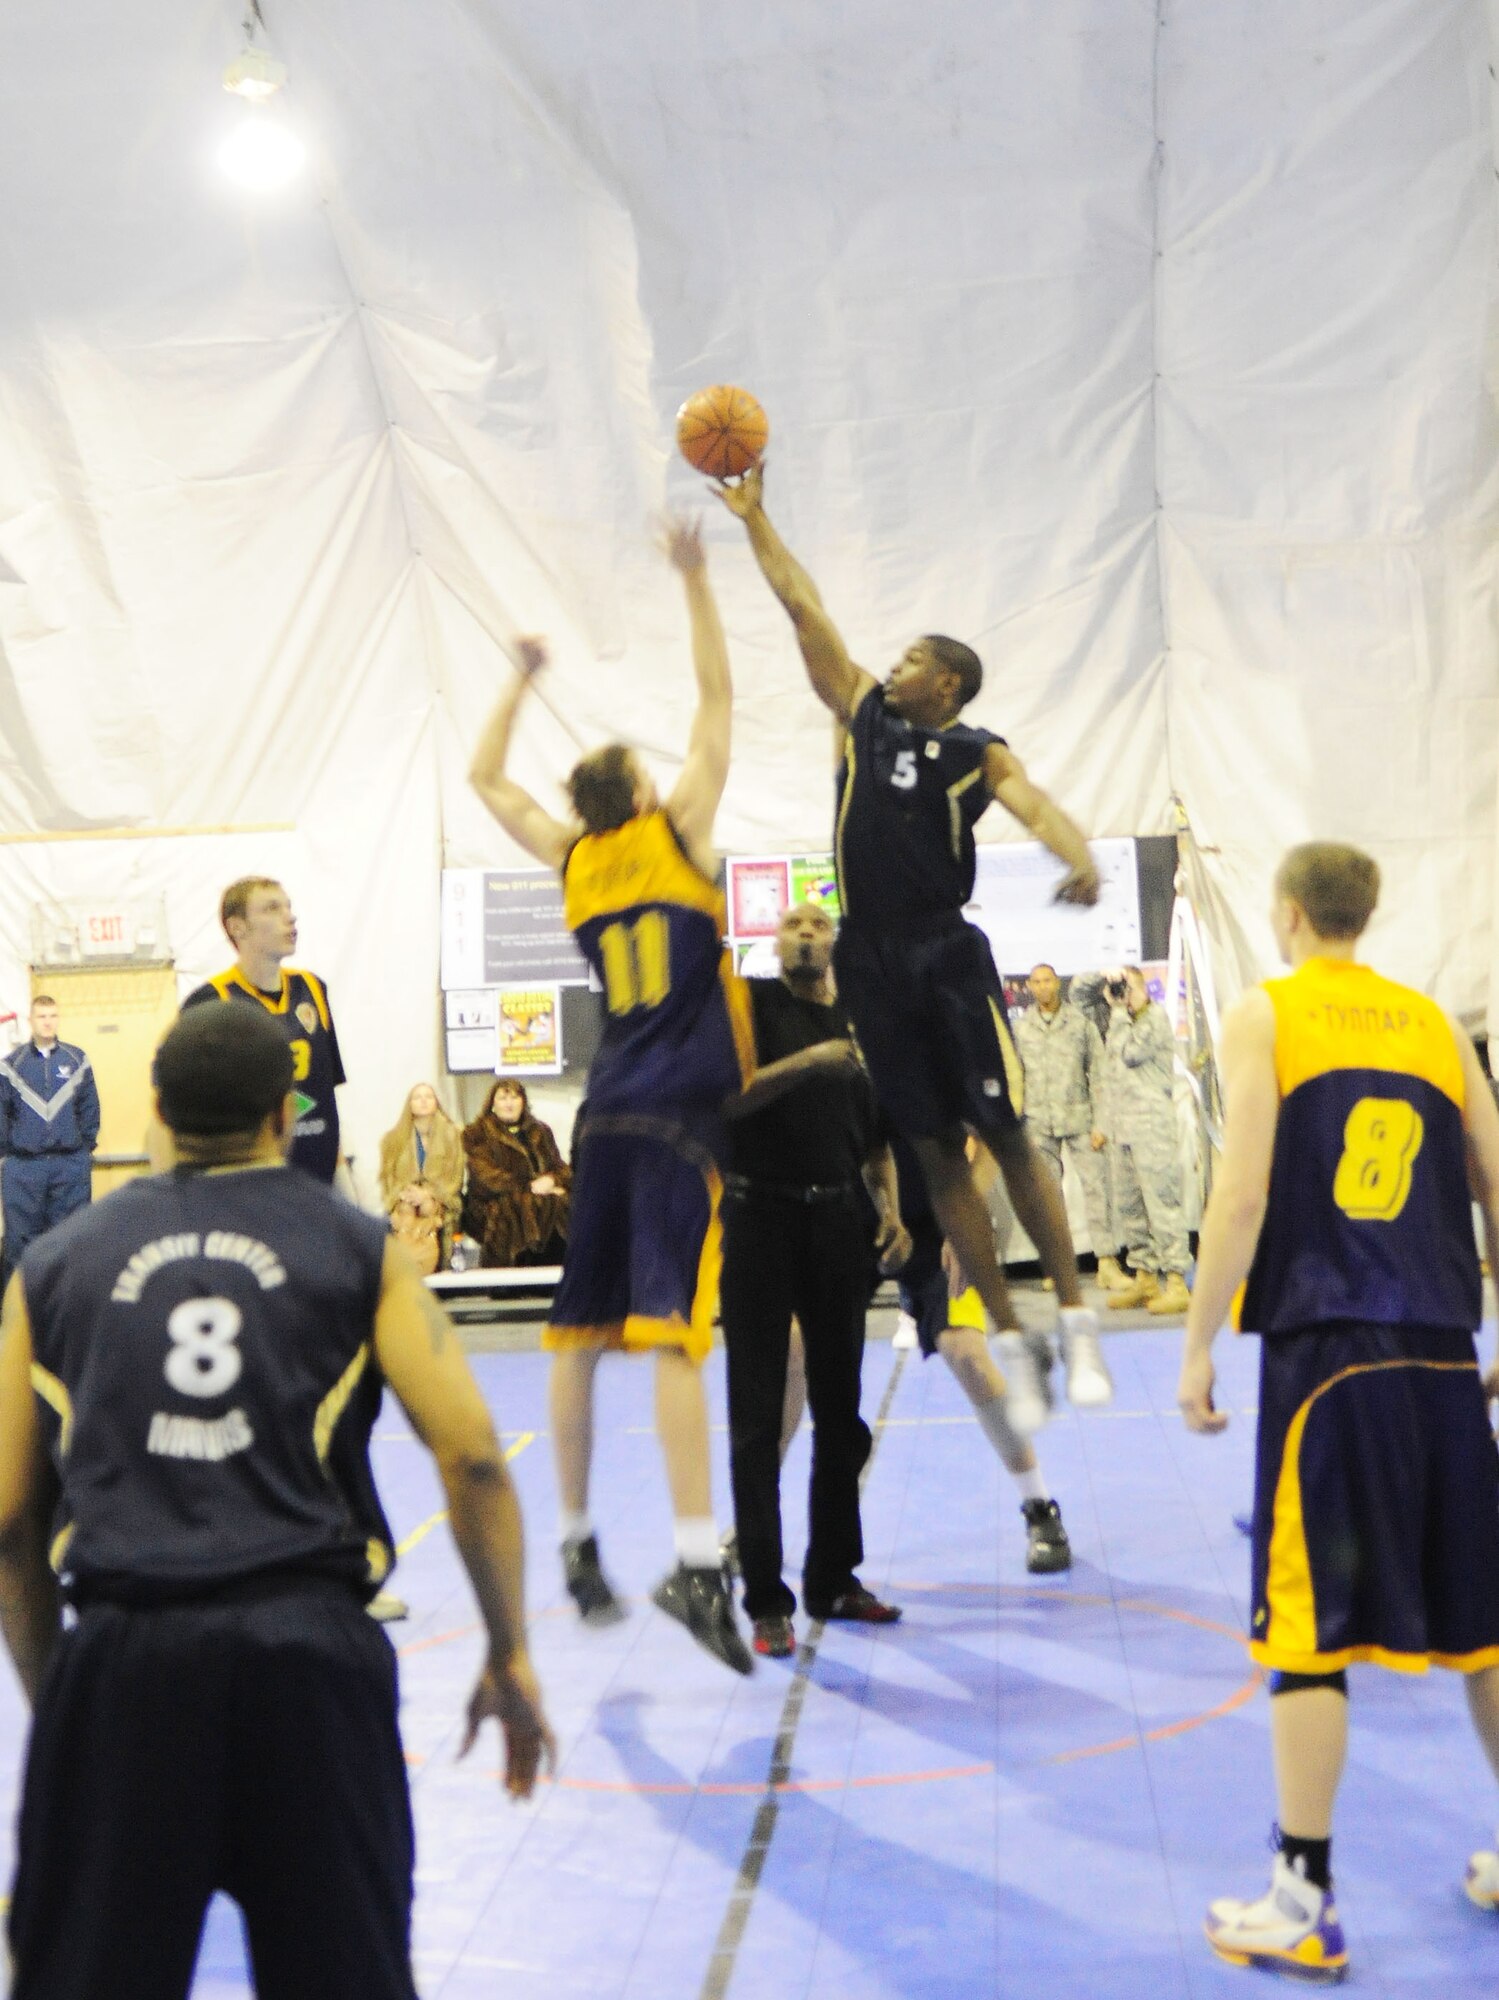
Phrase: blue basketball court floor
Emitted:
{"points": [[1028, 1788]]}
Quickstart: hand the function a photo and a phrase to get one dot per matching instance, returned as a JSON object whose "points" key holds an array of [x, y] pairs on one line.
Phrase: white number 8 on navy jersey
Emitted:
{"points": [[204, 1360]]}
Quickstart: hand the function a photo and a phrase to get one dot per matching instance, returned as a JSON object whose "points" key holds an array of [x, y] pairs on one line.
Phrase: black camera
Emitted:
{"points": [[1115, 988]]}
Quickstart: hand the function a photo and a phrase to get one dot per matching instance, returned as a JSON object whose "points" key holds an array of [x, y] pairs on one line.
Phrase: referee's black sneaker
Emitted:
{"points": [[587, 1585], [700, 1600], [1047, 1548]]}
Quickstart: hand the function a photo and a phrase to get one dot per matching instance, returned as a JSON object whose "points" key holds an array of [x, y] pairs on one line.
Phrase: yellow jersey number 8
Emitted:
{"points": [[637, 962], [1381, 1139]]}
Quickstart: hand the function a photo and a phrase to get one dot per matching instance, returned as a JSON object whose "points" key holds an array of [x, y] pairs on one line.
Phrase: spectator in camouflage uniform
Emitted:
{"points": [[1146, 1153], [1063, 1056]]}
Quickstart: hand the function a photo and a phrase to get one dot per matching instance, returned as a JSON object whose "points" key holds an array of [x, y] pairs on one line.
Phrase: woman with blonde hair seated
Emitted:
{"points": [[518, 1181], [421, 1177]]}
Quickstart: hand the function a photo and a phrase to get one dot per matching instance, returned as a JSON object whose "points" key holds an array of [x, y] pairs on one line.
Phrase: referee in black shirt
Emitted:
{"points": [[798, 1241], [189, 1373]]}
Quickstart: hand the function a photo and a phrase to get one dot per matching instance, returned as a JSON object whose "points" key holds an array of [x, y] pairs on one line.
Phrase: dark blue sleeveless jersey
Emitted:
{"points": [[677, 1031], [203, 1352], [908, 801], [1369, 1215], [299, 1008]]}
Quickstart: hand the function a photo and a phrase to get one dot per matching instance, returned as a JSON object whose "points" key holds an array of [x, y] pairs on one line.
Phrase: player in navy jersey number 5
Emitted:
{"points": [[189, 1374], [641, 1266], [918, 981]]}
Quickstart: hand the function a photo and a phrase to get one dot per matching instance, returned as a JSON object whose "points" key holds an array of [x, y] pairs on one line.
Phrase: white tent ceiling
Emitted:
{"points": [[1146, 350]]}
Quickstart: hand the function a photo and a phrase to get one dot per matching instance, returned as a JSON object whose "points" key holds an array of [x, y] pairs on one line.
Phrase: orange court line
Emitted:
{"points": [[1162, 1733]]}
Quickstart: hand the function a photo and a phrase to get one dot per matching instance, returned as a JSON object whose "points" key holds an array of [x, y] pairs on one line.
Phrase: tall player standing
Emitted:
{"points": [[258, 921], [918, 981], [1359, 1131], [640, 1271]]}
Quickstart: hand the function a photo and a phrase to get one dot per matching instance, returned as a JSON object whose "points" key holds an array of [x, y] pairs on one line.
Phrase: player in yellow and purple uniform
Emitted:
{"points": [[1359, 1130], [641, 1265]]}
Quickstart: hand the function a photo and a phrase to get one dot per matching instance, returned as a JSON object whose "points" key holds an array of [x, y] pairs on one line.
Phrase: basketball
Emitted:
{"points": [[722, 431]]}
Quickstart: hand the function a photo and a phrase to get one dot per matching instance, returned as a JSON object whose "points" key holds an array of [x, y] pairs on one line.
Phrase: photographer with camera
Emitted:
{"points": [[1144, 1152]]}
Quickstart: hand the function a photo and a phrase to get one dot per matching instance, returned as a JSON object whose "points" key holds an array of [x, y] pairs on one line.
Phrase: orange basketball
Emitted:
{"points": [[722, 431]]}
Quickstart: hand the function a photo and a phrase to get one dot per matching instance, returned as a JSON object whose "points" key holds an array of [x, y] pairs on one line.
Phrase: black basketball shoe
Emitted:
{"points": [[1047, 1548], [587, 1585], [700, 1600]]}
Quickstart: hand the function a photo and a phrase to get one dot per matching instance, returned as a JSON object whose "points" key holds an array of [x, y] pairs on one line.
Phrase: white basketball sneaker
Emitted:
{"points": [[905, 1336], [1481, 1884], [1025, 1363], [1089, 1383], [1293, 1928]]}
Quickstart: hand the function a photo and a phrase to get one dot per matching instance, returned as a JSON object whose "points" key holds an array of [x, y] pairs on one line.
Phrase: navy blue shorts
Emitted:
{"points": [[1376, 1513], [644, 1245], [928, 1011], [248, 1744], [925, 1295]]}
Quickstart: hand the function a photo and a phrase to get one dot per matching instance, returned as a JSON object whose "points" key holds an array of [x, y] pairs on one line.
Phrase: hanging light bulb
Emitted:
{"points": [[262, 152]]}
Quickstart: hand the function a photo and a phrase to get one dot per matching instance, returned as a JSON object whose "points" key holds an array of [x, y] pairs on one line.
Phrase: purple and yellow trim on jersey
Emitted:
{"points": [[651, 925], [1368, 1217], [224, 983]]}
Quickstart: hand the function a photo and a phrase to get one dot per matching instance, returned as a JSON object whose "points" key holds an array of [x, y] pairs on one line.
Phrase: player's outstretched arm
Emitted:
{"points": [[1236, 1207], [835, 679], [420, 1357], [528, 824], [1005, 777], [29, 1610], [693, 805]]}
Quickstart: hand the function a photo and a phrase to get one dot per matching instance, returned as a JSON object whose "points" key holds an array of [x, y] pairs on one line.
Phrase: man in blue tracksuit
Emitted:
{"points": [[49, 1127]]}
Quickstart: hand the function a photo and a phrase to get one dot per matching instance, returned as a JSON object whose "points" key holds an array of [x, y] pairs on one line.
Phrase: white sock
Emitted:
{"points": [[697, 1541], [1031, 1485], [574, 1527], [1081, 1318]]}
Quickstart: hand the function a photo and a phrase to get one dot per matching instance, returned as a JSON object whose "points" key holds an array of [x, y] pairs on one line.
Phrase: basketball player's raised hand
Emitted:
{"points": [[510, 1694], [682, 542], [530, 656], [1078, 885], [743, 496]]}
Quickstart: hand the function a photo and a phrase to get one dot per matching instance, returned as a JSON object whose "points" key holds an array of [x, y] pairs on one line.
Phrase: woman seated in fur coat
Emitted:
{"points": [[518, 1182]]}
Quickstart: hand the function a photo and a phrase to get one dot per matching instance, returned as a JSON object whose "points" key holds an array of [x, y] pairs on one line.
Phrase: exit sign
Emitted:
{"points": [[105, 932]]}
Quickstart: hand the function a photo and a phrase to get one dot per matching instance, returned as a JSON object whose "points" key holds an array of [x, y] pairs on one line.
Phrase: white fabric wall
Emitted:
{"points": [[1147, 352]]}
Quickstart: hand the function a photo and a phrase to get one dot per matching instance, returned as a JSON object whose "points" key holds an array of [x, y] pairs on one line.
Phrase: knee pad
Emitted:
{"points": [[1294, 1683]]}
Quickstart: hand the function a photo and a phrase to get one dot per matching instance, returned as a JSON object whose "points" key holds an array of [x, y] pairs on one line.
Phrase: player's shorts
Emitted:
{"points": [[922, 1284], [644, 1245], [928, 1012], [247, 1743], [1376, 1515]]}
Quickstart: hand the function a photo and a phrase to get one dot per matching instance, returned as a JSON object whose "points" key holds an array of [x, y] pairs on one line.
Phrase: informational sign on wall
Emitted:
{"points": [[504, 927], [471, 1021], [1014, 904], [530, 1031], [761, 889]]}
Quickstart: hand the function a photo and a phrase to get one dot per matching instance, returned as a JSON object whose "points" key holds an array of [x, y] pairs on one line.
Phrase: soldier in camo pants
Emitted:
{"points": [[1064, 1062], [1145, 1151]]}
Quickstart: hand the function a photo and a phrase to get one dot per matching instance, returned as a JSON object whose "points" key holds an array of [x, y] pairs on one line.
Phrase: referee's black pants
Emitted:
{"points": [[784, 1257], [248, 1745]]}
